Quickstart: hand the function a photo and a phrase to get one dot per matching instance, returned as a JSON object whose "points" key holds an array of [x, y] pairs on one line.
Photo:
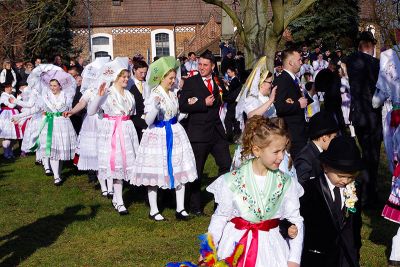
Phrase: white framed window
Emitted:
{"points": [[102, 45], [162, 43]]}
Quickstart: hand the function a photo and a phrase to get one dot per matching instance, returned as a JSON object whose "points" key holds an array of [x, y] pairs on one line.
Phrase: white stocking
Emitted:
{"points": [[395, 255], [103, 185], [46, 163], [56, 167], [117, 198], [152, 194], [180, 199], [110, 187], [6, 147]]}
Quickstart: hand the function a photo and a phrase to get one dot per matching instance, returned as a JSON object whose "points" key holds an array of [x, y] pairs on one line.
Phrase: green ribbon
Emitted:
{"points": [[49, 120], [396, 107]]}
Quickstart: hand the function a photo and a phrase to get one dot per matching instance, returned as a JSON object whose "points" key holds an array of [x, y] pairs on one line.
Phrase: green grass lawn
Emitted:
{"points": [[72, 225]]}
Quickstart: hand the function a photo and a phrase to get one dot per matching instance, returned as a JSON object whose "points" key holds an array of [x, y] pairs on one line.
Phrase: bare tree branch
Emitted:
{"points": [[295, 10]]}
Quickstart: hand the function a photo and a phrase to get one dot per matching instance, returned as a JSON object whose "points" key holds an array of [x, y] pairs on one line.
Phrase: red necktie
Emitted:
{"points": [[209, 86]]}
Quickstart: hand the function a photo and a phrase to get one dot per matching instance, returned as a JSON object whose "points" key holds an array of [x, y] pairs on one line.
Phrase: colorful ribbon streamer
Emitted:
{"points": [[49, 120], [170, 141], [117, 128], [242, 224]]}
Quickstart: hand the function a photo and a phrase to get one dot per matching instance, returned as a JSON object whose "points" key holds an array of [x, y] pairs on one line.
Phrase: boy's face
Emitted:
{"points": [[339, 178]]}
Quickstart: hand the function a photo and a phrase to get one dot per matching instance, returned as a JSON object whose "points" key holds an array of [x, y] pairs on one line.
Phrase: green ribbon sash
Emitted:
{"points": [[49, 120]]}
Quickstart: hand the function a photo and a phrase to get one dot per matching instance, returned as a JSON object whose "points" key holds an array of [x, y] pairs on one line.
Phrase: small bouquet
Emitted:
{"points": [[350, 197], [209, 254]]}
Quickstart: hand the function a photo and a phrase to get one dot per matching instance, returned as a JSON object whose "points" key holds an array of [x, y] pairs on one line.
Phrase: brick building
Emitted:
{"points": [[149, 27]]}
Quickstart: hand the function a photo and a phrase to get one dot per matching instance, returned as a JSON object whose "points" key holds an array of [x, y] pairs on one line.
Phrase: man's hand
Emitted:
{"points": [[303, 102], [209, 100]]}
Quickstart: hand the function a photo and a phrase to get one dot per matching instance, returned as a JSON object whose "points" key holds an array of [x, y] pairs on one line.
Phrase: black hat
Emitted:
{"points": [[342, 155], [322, 123], [367, 36]]}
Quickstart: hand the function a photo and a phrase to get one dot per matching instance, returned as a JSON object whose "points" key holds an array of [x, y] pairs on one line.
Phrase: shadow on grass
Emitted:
{"points": [[23, 242]]}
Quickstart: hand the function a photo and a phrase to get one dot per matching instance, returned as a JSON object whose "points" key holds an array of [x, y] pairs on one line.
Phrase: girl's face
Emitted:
{"points": [[7, 66], [168, 81], [272, 155], [55, 87], [122, 81], [265, 88], [8, 89]]}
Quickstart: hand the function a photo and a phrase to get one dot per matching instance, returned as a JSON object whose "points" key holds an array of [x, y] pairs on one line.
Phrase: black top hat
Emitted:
{"points": [[322, 123], [342, 155], [367, 36]]}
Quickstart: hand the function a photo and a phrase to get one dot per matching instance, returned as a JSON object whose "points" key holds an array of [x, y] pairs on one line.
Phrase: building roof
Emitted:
{"points": [[145, 13]]}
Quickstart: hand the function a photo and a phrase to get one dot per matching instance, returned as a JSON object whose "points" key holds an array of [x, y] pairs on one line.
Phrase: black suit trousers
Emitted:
{"points": [[370, 141], [219, 149]]}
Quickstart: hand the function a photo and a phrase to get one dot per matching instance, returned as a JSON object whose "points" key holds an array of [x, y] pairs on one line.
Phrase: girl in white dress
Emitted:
{"points": [[254, 198], [257, 98], [345, 91], [8, 130], [117, 137], [87, 141], [165, 157], [57, 138]]}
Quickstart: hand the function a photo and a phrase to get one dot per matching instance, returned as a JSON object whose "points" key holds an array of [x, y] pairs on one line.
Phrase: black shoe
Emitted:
{"points": [[180, 217], [48, 172], [104, 194], [58, 181], [198, 213], [39, 162], [122, 210], [394, 263], [153, 217], [110, 195]]}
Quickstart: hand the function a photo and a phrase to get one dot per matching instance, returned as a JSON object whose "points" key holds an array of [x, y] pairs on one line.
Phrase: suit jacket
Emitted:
{"points": [[77, 119], [230, 96], [363, 71], [330, 239], [288, 107], [307, 163], [203, 122], [140, 124]]}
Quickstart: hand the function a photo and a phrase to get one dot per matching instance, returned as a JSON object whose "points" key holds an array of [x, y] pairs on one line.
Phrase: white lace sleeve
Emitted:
{"points": [[291, 212], [251, 103], [223, 197]]}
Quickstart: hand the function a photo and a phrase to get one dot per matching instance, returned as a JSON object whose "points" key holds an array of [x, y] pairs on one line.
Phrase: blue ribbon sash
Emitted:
{"points": [[170, 142]]}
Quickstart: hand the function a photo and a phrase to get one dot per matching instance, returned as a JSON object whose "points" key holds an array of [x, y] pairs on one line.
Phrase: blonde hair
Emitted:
{"points": [[167, 73], [122, 72], [259, 132]]}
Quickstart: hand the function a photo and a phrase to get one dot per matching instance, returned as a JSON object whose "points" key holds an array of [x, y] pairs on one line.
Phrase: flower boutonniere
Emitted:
{"points": [[350, 197]]}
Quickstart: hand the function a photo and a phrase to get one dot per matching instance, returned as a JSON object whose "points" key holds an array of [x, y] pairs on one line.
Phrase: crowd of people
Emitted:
{"points": [[297, 174]]}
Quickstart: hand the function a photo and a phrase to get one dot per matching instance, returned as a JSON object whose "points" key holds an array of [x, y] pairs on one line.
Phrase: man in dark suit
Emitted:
{"points": [[200, 98], [328, 81], [332, 225], [289, 101], [363, 70], [137, 89], [322, 128]]}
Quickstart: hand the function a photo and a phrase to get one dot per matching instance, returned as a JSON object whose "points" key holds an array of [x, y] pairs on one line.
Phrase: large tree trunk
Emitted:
{"points": [[259, 34]]}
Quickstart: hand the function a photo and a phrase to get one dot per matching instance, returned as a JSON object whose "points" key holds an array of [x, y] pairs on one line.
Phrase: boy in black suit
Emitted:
{"points": [[200, 98], [322, 128], [329, 206]]}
